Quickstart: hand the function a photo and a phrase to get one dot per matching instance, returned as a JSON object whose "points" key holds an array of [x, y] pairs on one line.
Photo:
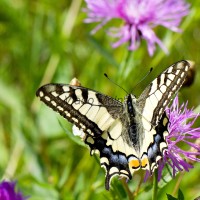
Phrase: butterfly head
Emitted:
{"points": [[130, 98], [130, 101]]}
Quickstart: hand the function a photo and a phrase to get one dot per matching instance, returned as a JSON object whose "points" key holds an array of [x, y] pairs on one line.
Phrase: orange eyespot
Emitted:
{"points": [[134, 164], [144, 162]]}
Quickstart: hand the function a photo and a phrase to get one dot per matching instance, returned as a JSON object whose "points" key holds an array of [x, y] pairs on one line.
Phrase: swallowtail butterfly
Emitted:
{"points": [[128, 136]]}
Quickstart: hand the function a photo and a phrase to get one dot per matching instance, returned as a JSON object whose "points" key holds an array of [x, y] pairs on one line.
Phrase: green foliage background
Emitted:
{"points": [[47, 41]]}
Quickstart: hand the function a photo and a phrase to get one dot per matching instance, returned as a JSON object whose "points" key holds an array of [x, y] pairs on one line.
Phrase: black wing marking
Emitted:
{"points": [[158, 94]]}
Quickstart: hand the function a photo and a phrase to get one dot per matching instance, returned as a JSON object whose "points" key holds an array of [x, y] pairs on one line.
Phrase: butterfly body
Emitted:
{"points": [[127, 136]]}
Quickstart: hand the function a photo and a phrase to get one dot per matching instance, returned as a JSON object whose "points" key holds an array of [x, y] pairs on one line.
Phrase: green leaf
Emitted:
{"points": [[71, 136], [170, 197], [180, 195]]}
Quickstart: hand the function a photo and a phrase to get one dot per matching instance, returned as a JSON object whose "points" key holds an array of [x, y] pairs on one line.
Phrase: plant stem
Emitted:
{"points": [[128, 191], [125, 63], [155, 185], [178, 183]]}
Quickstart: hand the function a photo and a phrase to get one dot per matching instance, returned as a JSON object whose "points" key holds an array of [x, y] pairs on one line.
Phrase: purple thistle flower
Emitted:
{"points": [[7, 191], [139, 16], [180, 131]]}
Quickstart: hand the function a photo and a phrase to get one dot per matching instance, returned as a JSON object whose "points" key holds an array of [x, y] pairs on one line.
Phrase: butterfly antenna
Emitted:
{"points": [[151, 69], [115, 83]]}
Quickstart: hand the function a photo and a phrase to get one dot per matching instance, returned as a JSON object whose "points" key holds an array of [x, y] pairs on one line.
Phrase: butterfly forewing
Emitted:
{"points": [[158, 94], [81, 106]]}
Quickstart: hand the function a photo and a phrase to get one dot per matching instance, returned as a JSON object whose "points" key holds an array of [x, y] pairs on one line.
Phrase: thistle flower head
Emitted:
{"points": [[139, 17], [7, 191], [183, 140], [182, 145]]}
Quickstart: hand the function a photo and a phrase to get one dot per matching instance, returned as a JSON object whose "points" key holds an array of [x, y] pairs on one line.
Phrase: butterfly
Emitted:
{"points": [[127, 136]]}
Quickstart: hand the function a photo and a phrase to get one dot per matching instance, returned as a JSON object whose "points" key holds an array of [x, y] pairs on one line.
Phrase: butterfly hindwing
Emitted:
{"points": [[154, 143], [114, 162]]}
